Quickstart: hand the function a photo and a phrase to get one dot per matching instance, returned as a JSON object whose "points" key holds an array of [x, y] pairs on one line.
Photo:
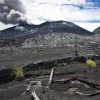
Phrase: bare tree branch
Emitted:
{"points": [[92, 94], [34, 95], [28, 88], [50, 78], [91, 83]]}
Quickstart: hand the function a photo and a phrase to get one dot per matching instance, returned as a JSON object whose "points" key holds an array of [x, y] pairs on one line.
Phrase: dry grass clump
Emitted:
{"points": [[91, 63], [19, 73]]}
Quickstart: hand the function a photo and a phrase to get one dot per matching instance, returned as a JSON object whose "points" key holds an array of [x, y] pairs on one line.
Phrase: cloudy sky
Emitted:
{"points": [[85, 13]]}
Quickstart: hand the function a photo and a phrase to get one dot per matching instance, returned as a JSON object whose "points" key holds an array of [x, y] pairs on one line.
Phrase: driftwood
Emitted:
{"points": [[34, 96], [64, 81], [92, 83], [50, 78], [32, 83], [89, 82], [92, 94], [28, 87]]}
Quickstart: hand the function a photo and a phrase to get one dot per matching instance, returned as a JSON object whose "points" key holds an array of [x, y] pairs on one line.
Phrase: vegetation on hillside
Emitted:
{"points": [[97, 30]]}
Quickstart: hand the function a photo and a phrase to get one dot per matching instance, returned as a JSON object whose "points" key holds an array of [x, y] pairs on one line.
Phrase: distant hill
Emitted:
{"points": [[97, 30], [46, 34], [23, 30]]}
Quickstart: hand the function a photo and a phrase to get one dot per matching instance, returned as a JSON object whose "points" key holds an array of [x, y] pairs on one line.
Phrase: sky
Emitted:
{"points": [[84, 13]]}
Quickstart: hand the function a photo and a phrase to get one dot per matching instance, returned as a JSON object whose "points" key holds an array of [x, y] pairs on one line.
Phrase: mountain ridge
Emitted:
{"points": [[56, 33], [97, 30], [63, 25]]}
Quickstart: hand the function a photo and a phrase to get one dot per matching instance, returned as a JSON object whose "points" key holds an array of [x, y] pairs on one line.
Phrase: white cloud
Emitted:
{"points": [[83, 15], [59, 2], [4, 26], [38, 11], [68, 10], [2, 1], [88, 26]]}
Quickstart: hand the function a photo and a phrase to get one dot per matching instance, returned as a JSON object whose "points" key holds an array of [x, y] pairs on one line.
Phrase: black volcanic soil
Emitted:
{"points": [[21, 56], [16, 90], [26, 56]]}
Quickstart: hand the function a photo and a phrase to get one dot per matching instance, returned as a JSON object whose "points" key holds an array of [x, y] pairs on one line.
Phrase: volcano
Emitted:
{"points": [[45, 34]]}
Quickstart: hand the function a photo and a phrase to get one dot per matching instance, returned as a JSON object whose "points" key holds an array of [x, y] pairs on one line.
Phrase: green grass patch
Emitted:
{"points": [[91, 63], [60, 64], [19, 73]]}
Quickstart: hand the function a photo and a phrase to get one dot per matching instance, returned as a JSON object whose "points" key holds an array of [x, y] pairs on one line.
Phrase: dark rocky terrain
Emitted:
{"points": [[26, 30], [48, 34], [16, 90], [39, 48]]}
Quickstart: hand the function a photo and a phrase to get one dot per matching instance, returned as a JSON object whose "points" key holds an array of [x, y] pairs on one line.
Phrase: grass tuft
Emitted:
{"points": [[91, 63], [19, 73]]}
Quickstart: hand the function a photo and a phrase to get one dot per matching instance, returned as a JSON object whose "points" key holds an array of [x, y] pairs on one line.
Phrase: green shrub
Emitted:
{"points": [[61, 64], [19, 73], [91, 63], [64, 63]]}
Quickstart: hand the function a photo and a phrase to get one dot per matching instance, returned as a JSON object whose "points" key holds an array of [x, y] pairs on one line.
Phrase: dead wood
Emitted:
{"points": [[31, 83], [34, 96], [28, 87], [89, 82], [92, 94], [64, 81], [50, 78]]}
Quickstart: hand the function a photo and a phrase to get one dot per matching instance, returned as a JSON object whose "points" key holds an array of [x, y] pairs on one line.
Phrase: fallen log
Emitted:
{"points": [[64, 81], [51, 78], [28, 87], [89, 82], [31, 83], [92, 94], [34, 96]]}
